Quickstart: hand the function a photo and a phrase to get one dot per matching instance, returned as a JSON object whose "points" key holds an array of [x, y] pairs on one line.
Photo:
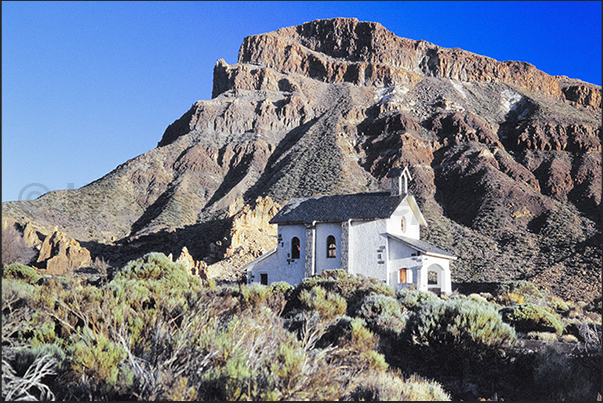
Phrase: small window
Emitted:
{"points": [[295, 250], [402, 222], [264, 278], [331, 247]]}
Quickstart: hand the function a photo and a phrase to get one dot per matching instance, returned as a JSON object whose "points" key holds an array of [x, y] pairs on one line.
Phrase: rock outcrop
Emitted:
{"points": [[59, 254], [194, 268], [249, 235], [504, 157]]}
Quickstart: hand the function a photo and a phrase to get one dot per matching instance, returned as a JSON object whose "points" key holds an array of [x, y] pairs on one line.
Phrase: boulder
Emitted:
{"points": [[59, 254]]}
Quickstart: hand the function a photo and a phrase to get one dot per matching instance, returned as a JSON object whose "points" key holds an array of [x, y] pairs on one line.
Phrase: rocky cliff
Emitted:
{"points": [[506, 158]]}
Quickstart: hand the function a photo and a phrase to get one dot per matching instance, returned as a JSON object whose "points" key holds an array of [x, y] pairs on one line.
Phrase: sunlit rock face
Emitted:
{"points": [[506, 159]]}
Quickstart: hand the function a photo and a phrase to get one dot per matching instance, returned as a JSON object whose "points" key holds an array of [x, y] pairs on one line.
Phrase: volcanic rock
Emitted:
{"points": [[59, 254], [504, 157]]}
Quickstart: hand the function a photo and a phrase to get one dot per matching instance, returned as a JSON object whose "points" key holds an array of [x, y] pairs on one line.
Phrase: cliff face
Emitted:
{"points": [[505, 158]]}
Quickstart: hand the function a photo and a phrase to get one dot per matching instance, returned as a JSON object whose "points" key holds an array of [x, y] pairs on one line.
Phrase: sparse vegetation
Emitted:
{"points": [[14, 249], [154, 332]]}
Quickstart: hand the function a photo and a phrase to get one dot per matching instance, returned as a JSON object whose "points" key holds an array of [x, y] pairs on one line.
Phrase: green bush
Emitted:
{"points": [[281, 287], [274, 296], [374, 305], [17, 294], [413, 299], [21, 272], [252, 357], [254, 295], [154, 281], [328, 305], [99, 360], [559, 305], [462, 324], [352, 288], [531, 318], [383, 315], [356, 346], [524, 291]]}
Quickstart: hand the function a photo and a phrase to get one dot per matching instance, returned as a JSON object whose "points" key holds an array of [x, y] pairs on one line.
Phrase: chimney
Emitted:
{"points": [[399, 178]]}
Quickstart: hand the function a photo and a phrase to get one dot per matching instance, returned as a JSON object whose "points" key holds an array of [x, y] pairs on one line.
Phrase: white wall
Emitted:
{"points": [[280, 266], [290, 270], [442, 267], [400, 258], [323, 230], [411, 224], [367, 241]]}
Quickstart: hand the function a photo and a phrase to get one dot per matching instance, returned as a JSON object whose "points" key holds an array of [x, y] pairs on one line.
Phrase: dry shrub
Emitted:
{"points": [[510, 298], [14, 249], [30, 385], [391, 386], [559, 376]]}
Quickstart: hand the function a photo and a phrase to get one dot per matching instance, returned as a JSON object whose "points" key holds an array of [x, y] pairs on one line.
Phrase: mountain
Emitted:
{"points": [[506, 159]]}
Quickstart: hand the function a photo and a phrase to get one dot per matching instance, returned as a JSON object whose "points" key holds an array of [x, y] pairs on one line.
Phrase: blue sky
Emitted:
{"points": [[87, 86]]}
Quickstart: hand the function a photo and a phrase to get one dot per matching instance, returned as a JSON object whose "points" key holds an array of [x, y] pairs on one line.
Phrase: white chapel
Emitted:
{"points": [[376, 234]]}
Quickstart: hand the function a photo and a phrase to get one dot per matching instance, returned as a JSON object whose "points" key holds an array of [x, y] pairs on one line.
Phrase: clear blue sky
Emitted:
{"points": [[88, 85]]}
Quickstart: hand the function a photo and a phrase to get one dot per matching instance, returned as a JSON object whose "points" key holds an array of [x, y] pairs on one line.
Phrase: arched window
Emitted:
{"points": [[432, 277], [402, 222], [295, 251], [331, 247]]}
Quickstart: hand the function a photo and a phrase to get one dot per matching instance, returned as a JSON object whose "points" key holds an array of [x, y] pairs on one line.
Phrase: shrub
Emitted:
{"points": [[274, 296], [558, 304], [14, 249], [281, 287], [153, 266], [17, 294], [280, 293], [155, 281], [21, 272], [510, 298], [374, 305], [531, 318], [413, 299], [390, 386], [99, 360], [559, 376], [463, 324], [383, 316], [328, 305], [523, 291], [252, 357], [27, 374], [356, 345], [254, 295], [352, 288]]}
